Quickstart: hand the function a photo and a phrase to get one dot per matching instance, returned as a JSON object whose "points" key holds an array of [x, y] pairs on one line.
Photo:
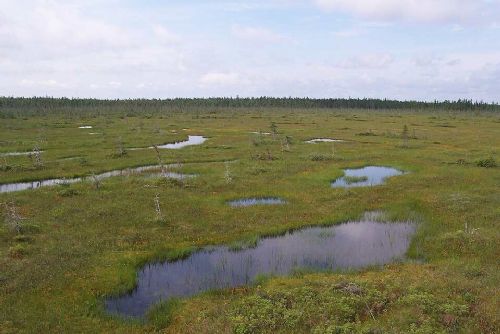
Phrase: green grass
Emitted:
{"points": [[79, 244]]}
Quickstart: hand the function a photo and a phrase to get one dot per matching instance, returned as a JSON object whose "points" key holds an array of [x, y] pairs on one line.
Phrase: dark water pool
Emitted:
{"points": [[368, 176], [348, 246]]}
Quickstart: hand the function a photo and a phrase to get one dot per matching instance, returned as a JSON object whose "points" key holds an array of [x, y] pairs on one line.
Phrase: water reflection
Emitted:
{"points": [[347, 246]]}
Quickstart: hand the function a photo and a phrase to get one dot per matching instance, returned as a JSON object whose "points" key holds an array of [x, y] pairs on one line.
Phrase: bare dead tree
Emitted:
{"points": [[227, 174], [12, 217], [36, 156], [96, 181], [159, 215], [120, 148], [160, 161]]}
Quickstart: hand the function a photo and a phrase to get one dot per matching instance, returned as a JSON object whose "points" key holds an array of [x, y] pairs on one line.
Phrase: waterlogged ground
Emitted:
{"points": [[65, 249]]}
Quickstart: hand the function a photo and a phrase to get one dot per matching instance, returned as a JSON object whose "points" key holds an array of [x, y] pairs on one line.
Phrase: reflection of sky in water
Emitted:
{"points": [[324, 140], [192, 140], [376, 175], [351, 245], [7, 154], [256, 201], [10, 187]]}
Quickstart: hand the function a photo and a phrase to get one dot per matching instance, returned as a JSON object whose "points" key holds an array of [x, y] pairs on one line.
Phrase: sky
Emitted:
{"points": [[397, 49]]}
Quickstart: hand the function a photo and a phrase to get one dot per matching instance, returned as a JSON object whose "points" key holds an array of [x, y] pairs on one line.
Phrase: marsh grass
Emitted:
{"points": [[368, 133], [354, 179], [161, 315], [249, 242]]}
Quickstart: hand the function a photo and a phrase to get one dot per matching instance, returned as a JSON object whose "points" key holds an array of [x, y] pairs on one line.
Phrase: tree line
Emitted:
{"points": [[50, 104]]}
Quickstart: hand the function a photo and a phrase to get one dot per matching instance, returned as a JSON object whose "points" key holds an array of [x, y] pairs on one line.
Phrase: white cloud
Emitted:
{"points": [[51, 83], [60, 26], [220, 78], [366, 61], [257, 34], [165, 35], [109, 48], [348, 33], [114, 84], [412, 10]]}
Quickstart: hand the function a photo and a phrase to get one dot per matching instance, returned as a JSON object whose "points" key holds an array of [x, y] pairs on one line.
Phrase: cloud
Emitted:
{"points": [[348, 33], [111, 48], [412, 10], [43, 83], [220, 78], [257, 34], [164, 35], [367, 61], [60, 26]]}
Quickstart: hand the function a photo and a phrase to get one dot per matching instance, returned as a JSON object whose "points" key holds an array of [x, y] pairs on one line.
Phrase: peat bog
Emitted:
{"points": [[71, 257]]}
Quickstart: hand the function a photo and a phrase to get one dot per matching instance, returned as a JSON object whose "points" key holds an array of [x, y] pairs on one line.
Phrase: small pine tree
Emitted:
{"points": [[274, 129], [404, 136], [120, 148], [227, 174]]}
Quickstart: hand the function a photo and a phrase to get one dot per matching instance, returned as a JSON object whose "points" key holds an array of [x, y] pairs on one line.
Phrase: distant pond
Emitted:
{"points": [[366, 176], [256, 201]]}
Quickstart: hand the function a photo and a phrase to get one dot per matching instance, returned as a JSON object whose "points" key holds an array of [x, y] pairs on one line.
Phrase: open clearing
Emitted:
{"points": [[67, 248]]}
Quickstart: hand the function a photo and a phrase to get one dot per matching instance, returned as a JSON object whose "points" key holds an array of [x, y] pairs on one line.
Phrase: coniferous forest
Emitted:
{"points": [[10, 106]]}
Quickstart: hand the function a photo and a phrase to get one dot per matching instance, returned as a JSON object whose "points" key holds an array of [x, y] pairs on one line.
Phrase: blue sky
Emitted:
{"points": [[401, 49]]}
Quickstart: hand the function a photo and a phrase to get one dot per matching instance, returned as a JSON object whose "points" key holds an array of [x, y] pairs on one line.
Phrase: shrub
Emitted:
{"points": [[320, 157], [366, 133], [67, 192], [18, 251], [487, 163]]}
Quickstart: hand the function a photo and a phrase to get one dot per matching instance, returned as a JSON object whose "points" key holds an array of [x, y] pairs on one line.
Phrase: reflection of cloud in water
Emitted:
{"points": [[346, 246], [375, 175]]}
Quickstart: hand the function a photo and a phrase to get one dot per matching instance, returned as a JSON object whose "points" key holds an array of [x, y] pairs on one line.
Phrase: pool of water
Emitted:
{"points": [[373, 175], [351, 245], [192, 140], [6, 154], [178, 176], [18, 186], [256, 201], [324, 140]]}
